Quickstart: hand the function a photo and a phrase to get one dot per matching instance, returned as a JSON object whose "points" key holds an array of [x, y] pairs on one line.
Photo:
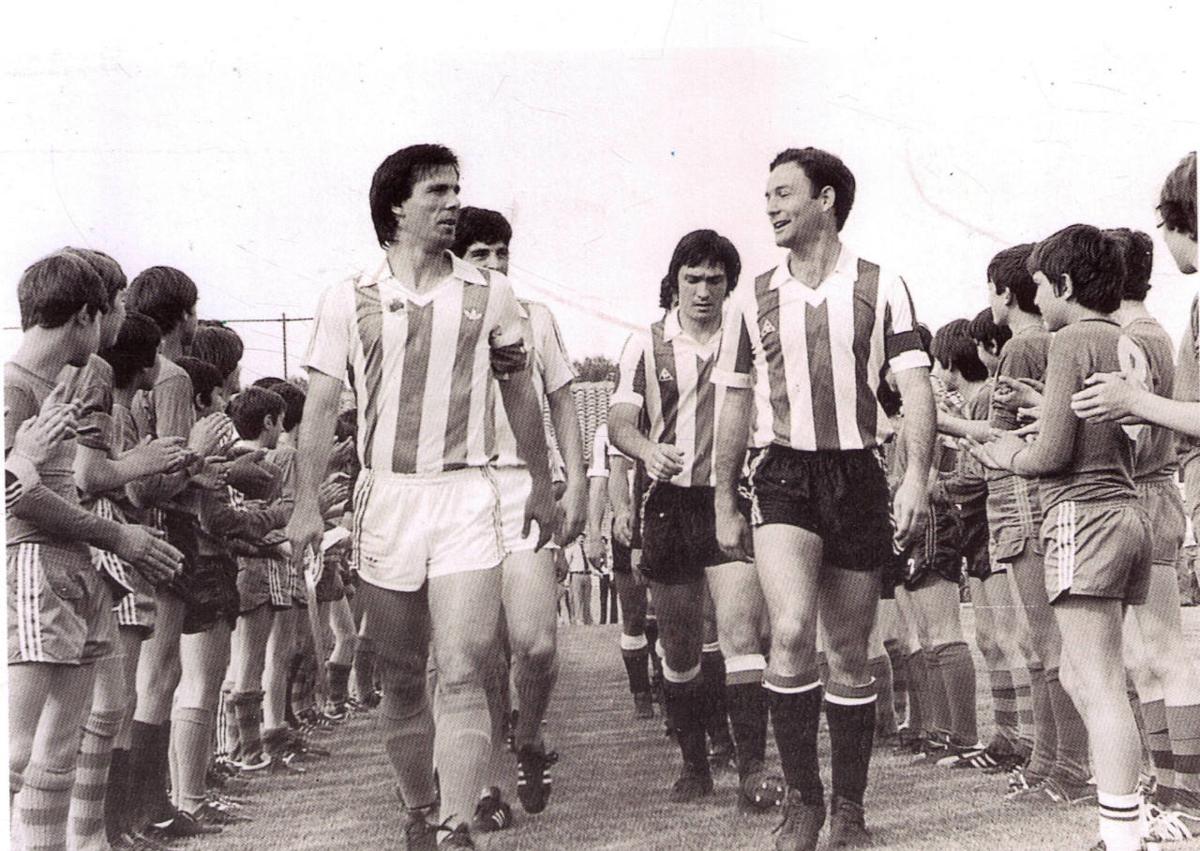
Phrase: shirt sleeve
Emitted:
{"points": [[1187, 376], [329, 346], [901, 342], [631, 373], [174, 413], [19, 405], [1055, 444], [20, 476], [557, 371], [94, 392], [506, 329], [735, 360]]}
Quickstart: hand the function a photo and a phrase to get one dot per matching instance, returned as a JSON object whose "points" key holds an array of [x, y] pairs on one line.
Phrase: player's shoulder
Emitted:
{"points": [[169, 373]]}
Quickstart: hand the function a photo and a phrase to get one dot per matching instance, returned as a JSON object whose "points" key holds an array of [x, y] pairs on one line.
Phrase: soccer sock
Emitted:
{"points": [[141, 751], [1024, 701], [43, 806], [534, 679], [364, 671], [685, 700], [1045, 733], [885, 710], [656, 665], [339, 682], [716, 713], [1183, 722], [795, 704], [937, 710], [1119, 821], [822, 667], [1071, 762], [116, 794], [899, 680], [1004, 708], [747, 702], [918, 693], [1154, 714], [850, 712], [1135, 707], [228, 738], [958, 676], [462, 745], [91, 780], [247, 706], [192, 728], [406, 727], [158, 802], [636, 655]]}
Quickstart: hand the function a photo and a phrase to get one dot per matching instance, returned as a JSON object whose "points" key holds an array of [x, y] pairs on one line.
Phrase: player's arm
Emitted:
{"points": [[911, 504], [525, 416], [620, 498], [1110, 396], [954, 426], [314, 447], [96, 472], [1051, 452], [565, 417]]}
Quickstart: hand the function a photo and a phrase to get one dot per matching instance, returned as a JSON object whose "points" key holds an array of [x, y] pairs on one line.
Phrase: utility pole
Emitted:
{"points": [[285, 359]]}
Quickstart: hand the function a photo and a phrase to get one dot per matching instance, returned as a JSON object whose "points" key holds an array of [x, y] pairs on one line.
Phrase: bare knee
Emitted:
{"points": [[537, 651]]}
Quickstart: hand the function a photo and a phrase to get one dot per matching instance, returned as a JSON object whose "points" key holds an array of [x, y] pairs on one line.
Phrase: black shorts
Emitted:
{"points": [[974, 525], [679, 534], [938, 555], [622, 557], [839, 495], [209, 592], [330, 588]]}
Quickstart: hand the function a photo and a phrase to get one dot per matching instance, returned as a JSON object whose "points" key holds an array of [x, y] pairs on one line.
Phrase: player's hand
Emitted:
{"points": [[332, 491], [574, 514], [161, 455], [910, 511], [149, 553], [594, 550], [1108, 396], [205, 437], [733, 532], [664, 463], [341, 455], [213, 474], [253, 475], [622, 527], [542, 508], [304, 531], [1014, 393], [38, 436], [635, 570]]}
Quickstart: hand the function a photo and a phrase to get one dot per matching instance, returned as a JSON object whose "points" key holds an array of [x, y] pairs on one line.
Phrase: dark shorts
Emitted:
{"points": [[679, 534], [209, 591], [330, 587], [840, 496], [1098, 549], [622, 557], [264, 580], [59, 606], [938, 555], [975, 546]]}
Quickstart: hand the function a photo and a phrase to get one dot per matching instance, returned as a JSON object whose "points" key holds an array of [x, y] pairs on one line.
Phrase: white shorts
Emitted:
{"points": [[515, 486], [408, 528]]}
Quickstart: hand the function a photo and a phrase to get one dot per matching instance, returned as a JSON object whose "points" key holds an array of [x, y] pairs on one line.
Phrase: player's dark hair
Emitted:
{"points": [[293, 399], [135, 349], [218, 345], [1008, 271], [205, 377], [267, 381], [823, 169], [1095, 262], [1177, 200], [163, 293], [107, 268], [983, 329], [955, 350], [1138, 252], [55, 288], [251, 407], [695, 249], [478, 225], [393, 182]]}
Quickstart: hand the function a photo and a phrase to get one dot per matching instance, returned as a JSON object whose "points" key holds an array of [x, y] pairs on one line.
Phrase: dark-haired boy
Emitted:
{"points": [[1097, 537], [59, 612]]}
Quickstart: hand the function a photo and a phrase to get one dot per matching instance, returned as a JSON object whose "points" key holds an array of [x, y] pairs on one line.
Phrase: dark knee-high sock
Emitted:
{"points": [[958, 677], [339, 682], [91, 780], [823, 666], [747, 702], [227, 723], [1158, 735], [919, 710], [850, 712], [1045, 732], [1183, 725], [116, 794], [1071, 756], [636, 656], [406, 727], [364, 670], [899, 660], [885, 713], [937, 709], [685, 698], [1022, 688], [462, 745], [716, 713], [795, 706], [656, 665], [1004, 708], [247, 706], [158, 800]]}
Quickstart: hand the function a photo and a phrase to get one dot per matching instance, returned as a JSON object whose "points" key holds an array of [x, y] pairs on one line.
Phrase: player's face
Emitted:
{"points": [[702, 291], [998, 304], [430, 213], [233, 382], [149, 376], [188, 325], [1052, 306], [990, 360], [488, 255], [111, 322], [1182, 248], [85, 338], [794, 214]]}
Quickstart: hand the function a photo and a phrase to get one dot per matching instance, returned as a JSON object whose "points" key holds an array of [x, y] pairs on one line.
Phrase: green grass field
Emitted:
{"points": [[610, 787]]}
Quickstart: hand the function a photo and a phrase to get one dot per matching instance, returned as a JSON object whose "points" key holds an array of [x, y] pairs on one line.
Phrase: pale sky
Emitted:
{"points": [[239, 145]]}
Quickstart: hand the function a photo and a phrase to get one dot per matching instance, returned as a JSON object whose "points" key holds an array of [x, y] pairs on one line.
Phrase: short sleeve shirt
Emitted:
{"points": [[418, 364], [1156, 446], [167, 410]]}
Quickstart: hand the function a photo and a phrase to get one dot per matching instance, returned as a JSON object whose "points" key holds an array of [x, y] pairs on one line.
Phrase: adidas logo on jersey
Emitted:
{"points": [[665, 375], [767, 327], [473, 315]]}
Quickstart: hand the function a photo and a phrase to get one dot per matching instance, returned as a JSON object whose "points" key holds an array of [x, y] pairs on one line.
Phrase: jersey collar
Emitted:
{"points": [[845, 269], [460, 269]]}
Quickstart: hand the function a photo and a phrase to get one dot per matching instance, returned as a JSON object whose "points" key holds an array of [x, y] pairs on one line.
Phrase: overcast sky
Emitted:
{"points": [[239, 145]]}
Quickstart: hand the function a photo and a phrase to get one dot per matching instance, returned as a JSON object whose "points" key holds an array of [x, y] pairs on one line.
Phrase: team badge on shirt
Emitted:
{"points": [[473, 315], [767, 327], [665, 375]]}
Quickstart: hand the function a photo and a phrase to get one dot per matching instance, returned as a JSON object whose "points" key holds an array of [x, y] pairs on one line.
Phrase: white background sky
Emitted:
{"points": [[239, 144]]}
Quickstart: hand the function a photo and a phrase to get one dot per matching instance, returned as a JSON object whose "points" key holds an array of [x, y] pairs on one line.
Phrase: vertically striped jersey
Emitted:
{"points": [[813, 356], [550, 370], [667, 375], [418, 363]]}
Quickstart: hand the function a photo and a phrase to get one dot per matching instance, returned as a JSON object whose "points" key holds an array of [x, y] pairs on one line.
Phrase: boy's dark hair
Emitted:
{"points": [[823, 169], [218, 345], [1008, 271], [250, 407], [955, 350], [1138, 253], [347, 425], [293, 399], [394, 180], [267, 381], [55, 288], [107, 268], [136, 349], [1095, 262], [1177, 200], [478, 225], [983, 329], [163, 293], [205, 377], [695, 249]]}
